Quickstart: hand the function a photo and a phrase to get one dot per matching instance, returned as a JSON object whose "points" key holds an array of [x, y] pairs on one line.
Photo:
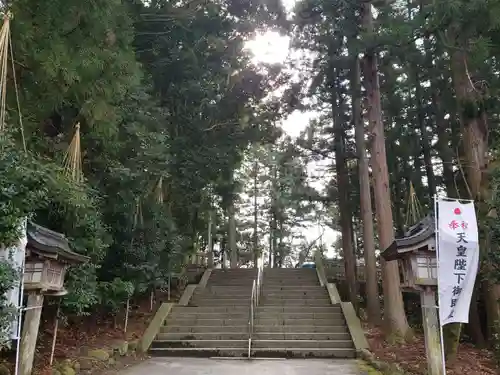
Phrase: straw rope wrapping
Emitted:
{"points": [[6, 53], [414, 208], [73, 158]]}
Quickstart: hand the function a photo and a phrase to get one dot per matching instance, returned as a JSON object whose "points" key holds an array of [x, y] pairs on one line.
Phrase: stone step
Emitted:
{"points": [[202, 336], [286, 288], [221, 302], [239, 271], [306, 336], [295, 302], [289, 285], [290, 289], [218, 288], [211, 315], [258, 329], [219, 297], [200, 343], [300, 315], [285, 273], [227, 278], [228, 274], [289, 276], [233, 275], [211, 309], [296, 279], [199, 352], [236, 283], [303, 344], [295, 295], [246, 277], [299, 309], [223, 296], [218, 322], [303, 336], [341, 328], [266, 321], [199, 329], [272, 276], [224, 290], [303, 353]]}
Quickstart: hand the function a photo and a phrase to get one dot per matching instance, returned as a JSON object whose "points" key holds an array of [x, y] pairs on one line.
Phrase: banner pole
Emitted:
{"points": [[436, 231]]}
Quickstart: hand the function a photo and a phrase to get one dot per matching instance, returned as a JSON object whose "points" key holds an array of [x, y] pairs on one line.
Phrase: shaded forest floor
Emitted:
{"points": [[90, 332], [74, 339], [411, 356]]}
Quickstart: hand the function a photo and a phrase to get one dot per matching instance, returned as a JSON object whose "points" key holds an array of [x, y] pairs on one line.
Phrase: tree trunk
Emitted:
{"points": [[401, 184], [233, 250], [474, 328], [274, 214], [426, 145], [343, 198], [210, 241], [445, 152], [271, 234], [223, 250], [475, 147], [395, 317], [256, 253], [280, 254], [444, 147], [371, 282], [274, 238]]}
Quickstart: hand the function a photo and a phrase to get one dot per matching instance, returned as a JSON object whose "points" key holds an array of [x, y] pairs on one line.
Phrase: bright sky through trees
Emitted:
{"points": [[272, 48]]}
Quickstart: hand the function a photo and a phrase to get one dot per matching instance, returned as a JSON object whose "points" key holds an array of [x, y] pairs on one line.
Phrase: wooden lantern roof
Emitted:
{"points": [[49, 244], [420, 236]]}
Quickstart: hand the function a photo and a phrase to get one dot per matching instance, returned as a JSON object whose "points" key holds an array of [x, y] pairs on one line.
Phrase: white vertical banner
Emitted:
{"points": [[15, 256], [458, 258]]}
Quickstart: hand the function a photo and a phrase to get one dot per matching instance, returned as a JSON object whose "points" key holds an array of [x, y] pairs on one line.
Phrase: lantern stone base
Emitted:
{"points": [[30, 332]]}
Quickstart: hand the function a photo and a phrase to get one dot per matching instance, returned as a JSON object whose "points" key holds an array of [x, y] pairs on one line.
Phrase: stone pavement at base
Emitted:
{"points": [[205, 366]]}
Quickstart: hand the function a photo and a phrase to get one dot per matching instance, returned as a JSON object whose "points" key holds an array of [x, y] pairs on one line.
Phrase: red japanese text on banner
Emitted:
{"points": [[458, 259]]}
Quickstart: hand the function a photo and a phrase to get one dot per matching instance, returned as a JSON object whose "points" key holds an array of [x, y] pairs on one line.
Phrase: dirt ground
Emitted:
{"points": [[411, 356]]}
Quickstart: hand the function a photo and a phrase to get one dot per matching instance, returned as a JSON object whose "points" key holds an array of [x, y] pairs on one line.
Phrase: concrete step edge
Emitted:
{"points": [[262, 328], [191, 327], [199, 341], [307, 350], [300, 341]]}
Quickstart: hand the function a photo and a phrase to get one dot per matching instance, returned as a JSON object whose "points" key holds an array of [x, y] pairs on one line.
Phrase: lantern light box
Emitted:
{"points": [[48, 256], [416, 253]]}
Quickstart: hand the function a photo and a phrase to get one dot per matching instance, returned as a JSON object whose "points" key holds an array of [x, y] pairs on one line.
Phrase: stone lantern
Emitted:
{"points": [[416, 254], [47, 259]]}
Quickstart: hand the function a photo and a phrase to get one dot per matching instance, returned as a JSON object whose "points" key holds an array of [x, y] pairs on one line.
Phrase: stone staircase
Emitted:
{"points": [[215, 323], [295, 318]]}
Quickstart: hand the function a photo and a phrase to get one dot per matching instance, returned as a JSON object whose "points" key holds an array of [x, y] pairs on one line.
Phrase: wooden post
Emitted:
{"points": [[54, 336], [127, 307], [432, 335], [30, 332]]}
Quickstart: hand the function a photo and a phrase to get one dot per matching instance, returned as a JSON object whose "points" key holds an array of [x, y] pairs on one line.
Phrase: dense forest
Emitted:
{"points": [[179, 134]]}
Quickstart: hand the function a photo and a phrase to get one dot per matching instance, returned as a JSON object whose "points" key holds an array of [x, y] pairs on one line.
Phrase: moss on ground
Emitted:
{"points": [[367, 369]]}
